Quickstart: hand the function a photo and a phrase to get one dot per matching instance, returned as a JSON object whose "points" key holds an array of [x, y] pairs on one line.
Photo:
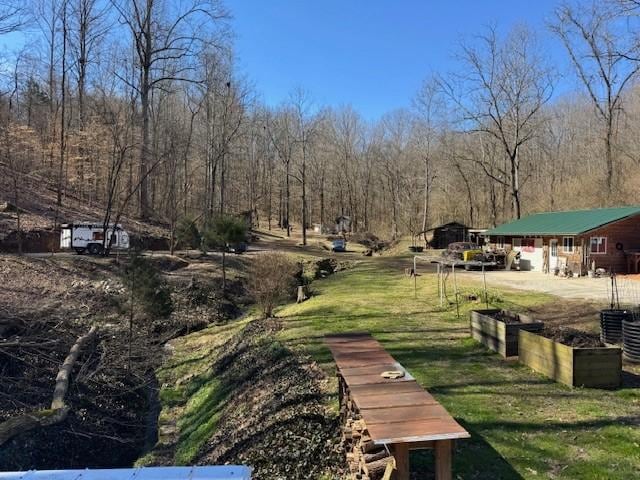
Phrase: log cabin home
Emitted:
{"points": [[608, 237]]}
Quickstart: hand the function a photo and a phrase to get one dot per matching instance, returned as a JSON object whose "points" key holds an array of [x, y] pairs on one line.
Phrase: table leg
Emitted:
{"points": [[401, 454], [443, 459]]}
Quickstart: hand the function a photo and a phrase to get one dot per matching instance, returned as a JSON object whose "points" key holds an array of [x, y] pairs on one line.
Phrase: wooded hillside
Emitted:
{"points": [[137, 107]]}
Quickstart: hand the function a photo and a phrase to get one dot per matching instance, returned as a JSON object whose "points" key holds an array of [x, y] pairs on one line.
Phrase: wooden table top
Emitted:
{"points": [[394, 410]]}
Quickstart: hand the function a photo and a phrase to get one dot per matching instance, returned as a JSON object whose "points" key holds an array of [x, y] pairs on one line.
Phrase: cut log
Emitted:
{"points": [[368, 446], [30, 421], [358, 426], [376, 469], [372, 457], [64, 374], [59, 410]]}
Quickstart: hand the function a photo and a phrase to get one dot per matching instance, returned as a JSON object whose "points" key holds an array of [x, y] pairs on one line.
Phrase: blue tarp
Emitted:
{"points": [[227, 472]]}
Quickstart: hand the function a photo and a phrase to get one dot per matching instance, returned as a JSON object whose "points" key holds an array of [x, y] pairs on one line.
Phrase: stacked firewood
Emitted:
{"points": [[366, 460]]}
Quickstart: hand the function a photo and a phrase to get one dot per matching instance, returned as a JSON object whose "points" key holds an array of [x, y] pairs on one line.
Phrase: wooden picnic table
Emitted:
{"points": [[397, 412]]}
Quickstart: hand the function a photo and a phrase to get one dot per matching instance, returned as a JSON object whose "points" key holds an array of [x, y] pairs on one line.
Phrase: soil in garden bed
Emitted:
{"points": [[506, 317], [572, 337]]}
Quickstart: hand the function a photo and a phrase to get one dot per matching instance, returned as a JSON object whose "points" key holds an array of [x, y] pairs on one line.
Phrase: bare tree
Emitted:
{"points": [[500, 93], [306, 127], [13, 16], [168, 39], [63, 105], [395, 155], [604, 57], [281, 128], [349, 139], [16, 150], [428, 104]]}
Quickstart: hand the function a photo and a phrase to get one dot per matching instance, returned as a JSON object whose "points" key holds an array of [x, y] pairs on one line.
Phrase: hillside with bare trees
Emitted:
{"points": [[137, 108], [143, 114]]}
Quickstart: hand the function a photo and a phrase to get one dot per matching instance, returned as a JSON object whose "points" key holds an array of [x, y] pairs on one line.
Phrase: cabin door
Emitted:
{"points": [[553, 254]]}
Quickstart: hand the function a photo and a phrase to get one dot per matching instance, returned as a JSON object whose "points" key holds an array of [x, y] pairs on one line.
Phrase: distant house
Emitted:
{"points": [[343, 224], [448, 233], [607, 237]]}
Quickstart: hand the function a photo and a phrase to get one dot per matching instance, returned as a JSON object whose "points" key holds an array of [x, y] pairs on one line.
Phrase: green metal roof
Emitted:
{"points": [[568, 223]]}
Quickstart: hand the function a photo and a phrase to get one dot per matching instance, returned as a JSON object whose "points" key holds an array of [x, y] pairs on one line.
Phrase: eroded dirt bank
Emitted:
{"points": [[258, 403], [45, 305]]}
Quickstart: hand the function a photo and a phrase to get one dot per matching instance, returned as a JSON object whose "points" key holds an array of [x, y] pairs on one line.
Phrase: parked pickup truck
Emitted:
{"points": [[465, 251]]}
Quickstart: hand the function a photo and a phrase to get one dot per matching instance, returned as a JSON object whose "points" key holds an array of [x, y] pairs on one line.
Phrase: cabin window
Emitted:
{"points": [[500, 242], [567, 245], [528, 245], [598, 245]]}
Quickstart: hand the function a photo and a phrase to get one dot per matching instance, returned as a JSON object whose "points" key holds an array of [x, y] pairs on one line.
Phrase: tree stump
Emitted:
{"points": [[303, 293]]}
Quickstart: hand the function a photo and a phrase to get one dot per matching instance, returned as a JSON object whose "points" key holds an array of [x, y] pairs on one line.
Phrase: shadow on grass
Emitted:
{"points": [[550, 425], [190, 361], [412, 356], [303, 340], [452, 387], [476, 458]]}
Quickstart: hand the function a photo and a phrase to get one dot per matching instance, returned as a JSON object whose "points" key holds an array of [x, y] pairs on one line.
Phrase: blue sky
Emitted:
{"points": [[372, 54]]}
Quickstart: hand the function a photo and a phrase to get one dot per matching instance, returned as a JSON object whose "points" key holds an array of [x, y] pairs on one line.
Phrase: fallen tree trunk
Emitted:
{"points": [[30, 421], [59, 410], [64, 374]]}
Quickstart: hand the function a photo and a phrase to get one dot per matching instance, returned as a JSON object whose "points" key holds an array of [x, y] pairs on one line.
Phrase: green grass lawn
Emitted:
{"points": [[191, 397], [522, 424]]}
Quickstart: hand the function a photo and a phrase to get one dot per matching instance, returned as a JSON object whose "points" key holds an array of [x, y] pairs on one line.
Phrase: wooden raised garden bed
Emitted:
{"points": [[594, 367], [498, 329]]}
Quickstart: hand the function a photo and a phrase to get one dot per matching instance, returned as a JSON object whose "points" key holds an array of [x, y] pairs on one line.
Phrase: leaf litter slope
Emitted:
{"points": [[241, 396]]}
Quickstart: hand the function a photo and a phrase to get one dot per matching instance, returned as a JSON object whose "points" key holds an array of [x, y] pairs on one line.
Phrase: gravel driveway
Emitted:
{"points": [[597, 289]]}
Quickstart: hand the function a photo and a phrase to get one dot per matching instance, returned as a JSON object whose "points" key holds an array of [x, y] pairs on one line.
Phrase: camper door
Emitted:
{"points": [[65, 237]]}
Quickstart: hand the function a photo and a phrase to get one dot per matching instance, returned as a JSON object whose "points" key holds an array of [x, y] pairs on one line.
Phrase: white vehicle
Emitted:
{"points": [[89, 237]]}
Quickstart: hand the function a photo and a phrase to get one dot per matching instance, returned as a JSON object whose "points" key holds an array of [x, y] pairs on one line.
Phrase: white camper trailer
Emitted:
{"points": [[89, 237]]}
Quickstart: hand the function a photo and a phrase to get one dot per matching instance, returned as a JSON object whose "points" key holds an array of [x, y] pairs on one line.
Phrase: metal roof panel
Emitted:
{"points": [[572, 222]]}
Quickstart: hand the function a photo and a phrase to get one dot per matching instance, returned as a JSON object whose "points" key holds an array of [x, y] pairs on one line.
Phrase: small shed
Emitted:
{"points": [[343, 224], [576, 239], [449, 233]]}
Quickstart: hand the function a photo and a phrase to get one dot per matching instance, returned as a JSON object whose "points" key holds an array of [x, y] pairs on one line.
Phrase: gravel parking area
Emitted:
{"points": [[595, 289]]}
